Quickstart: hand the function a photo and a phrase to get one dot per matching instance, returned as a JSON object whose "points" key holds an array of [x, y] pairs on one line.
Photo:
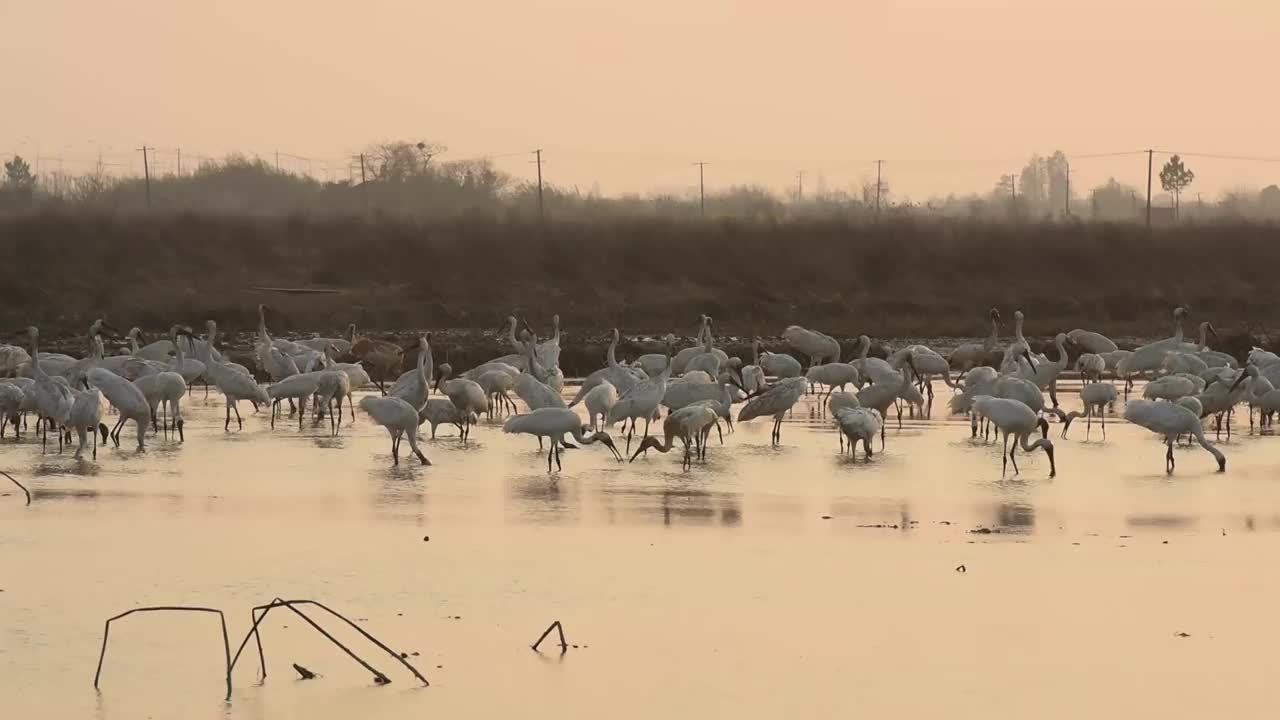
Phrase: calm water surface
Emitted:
{"points": [[769, 582]]}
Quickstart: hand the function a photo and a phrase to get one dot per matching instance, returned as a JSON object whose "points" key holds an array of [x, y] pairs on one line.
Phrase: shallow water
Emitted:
{"points": [[767, 582]]}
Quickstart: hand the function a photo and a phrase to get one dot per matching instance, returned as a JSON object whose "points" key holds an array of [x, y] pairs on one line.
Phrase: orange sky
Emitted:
{"points": [[626, 95]]}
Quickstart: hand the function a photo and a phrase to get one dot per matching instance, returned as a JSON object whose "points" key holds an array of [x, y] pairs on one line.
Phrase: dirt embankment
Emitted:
{"points": [[647, 277]]}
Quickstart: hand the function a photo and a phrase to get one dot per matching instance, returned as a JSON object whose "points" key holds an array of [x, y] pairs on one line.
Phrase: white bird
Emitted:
{"points": [[874, 369], [531, 386], [340, 345], [970, 354], [1177, 362], [858, 424], [780, 365], [1018, 347], [86, 419], [1091, 366], [753, 376], [834, 375], [300, 387], [1212, 358], [415, 385], [691, 425], [708, 361], [235, 386], [1045, 374], [157, 351], [12, 398], [12, 358], [621, 378], [1263, 358], [880, 394], [1148, 357], [599, 401], [497, 385], [1095, 396], [399, 418], [817, 345], [438, 411], [774, 401], [126, 398], [641, 401], [554, 424], [1091, 342], [1016, 421], [1171, 420], [53, 401], [1169, 387], [466, 395]]}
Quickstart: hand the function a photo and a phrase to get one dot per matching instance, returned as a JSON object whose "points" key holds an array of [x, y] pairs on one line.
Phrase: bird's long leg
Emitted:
{"points": [[719, 432], [1013, 459], [556, 447], [1168, 458], [44, 434], [1103, 418], [630, 433], [1088, 422], [412, 434], [840, 434], [1004, 453], [227, 425], [550, 454], [239, 422]]}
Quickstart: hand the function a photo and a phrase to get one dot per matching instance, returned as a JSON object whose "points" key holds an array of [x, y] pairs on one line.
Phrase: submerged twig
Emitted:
{"points": [[226, 644], [564, 646], [378, 676], [20, 485]]}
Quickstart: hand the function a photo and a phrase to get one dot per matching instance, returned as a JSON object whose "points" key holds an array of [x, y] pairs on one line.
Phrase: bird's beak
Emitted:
{"points": [[1053, 466], [1031, 361], [1243, 374], [603, 437], [1213, 332]]}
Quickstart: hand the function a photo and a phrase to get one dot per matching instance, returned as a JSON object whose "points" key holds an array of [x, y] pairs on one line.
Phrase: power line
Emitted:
{"points": [[1216, 156]]}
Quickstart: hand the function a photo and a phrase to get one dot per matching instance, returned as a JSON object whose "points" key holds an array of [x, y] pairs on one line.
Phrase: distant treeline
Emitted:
{"points": [[906, 277], [414, 180]]}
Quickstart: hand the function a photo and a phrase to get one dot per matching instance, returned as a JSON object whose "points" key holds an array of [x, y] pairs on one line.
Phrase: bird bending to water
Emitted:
{"points": [[691, 424], [1016, 421], [554, 424], [1171, 420]]}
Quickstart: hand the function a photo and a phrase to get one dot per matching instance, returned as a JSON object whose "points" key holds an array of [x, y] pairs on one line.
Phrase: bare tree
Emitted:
{"points": [[1176, 177]]}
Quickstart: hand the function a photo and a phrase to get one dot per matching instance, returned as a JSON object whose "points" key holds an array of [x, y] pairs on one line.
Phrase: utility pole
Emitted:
{"points": [[146, 172], [878, 164], [542, 210], [702, 188], [277, 161], [1068, 210], [179, 162], [800, 187], [362, 176], [364, 188], [1151, 155]]}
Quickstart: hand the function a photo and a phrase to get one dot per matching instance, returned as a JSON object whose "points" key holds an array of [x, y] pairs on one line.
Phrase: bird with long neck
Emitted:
{"points": [[690, 424]]}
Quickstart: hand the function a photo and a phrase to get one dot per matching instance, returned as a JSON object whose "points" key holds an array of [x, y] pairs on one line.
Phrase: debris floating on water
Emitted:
{"points": [[303, 673], [564, 645], [961, 569]]}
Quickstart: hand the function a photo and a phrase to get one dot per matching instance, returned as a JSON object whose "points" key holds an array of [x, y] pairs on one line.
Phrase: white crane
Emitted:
{"points": [[1171, 420], [1148, 357], [126, 398], [157, 351], [1096, 397], [12, 358], [235, 386], [781, 366], [438, 411], [415, 385], [817, 345], [858, 424], [970, 354], [1018, 347], [707, 361], [300, 387], [690, 424], [1212, 358], [12, 398], [399, 418], [1170, 387], [774, 401], [1016, 421], [599, 402], [1045, 374], [466, 395], [873, 369], [554, 424], [53, 401], [86, 419], [1091, 342], [497, 385], [1091, 366], [834, 375], [531, 386], [642, 401], [621, 378], [340, 345], [753, 377], [718, 396], [882, 393]]}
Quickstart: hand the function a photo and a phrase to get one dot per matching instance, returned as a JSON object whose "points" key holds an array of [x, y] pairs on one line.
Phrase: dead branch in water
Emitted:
{"points": [[20, 485], [226, 644], [564, 646], [378, 676]]}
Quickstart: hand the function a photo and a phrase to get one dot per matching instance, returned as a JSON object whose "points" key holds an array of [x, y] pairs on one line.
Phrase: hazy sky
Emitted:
{"points": [[626, 95]]}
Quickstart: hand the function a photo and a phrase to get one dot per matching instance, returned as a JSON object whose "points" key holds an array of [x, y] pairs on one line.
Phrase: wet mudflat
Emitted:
{"points": [[767, 582]]}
